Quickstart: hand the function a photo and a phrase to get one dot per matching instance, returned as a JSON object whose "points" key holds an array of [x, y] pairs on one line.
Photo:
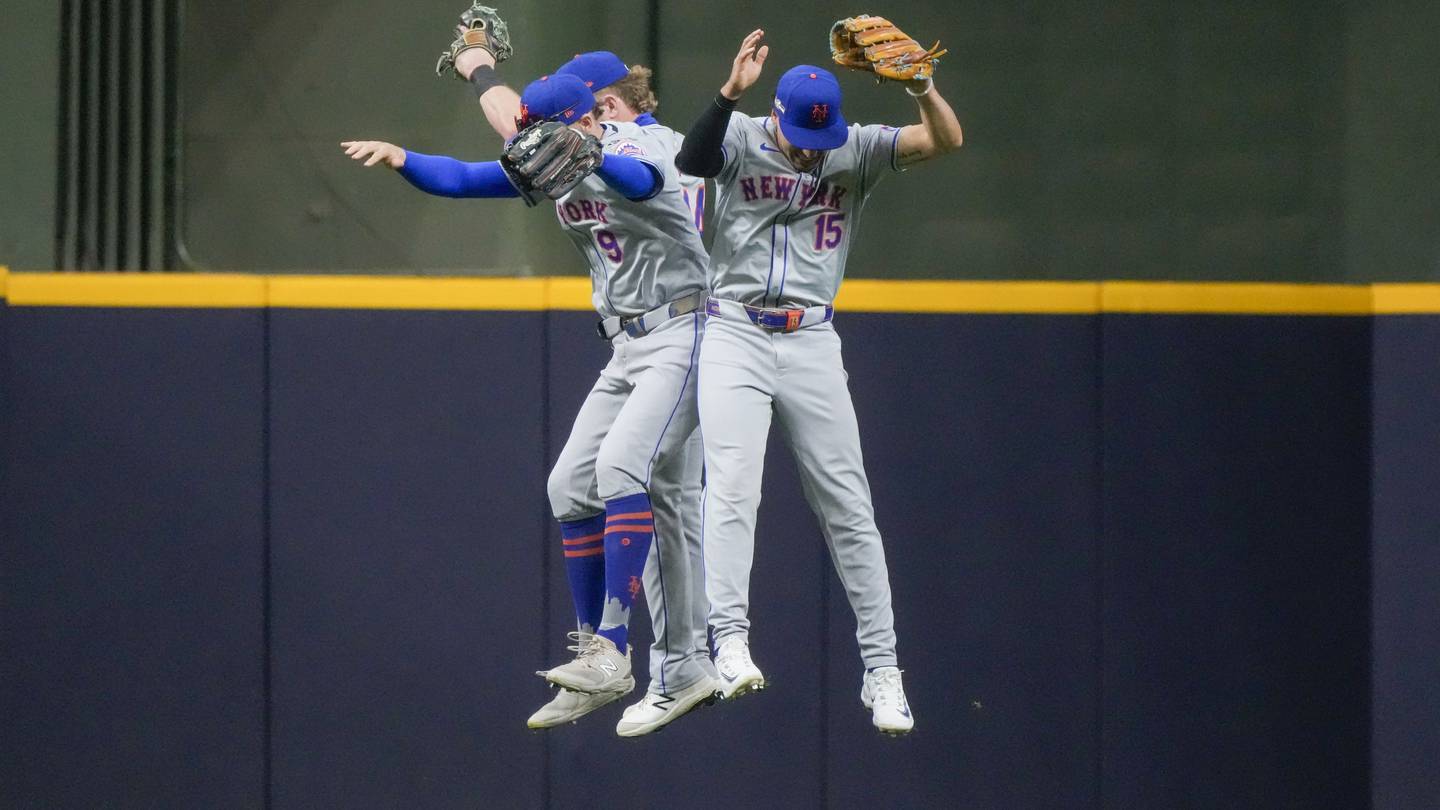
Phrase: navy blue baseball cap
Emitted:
{"points": [[807, 102], [598, 69], [555, 98]]}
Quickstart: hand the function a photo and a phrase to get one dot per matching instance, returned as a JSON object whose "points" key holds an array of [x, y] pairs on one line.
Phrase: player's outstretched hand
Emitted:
{"points": [[373, 152], [746, 69]]}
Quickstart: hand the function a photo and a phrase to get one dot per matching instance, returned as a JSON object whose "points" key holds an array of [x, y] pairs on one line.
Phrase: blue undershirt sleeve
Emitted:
{"points": [[448, 177], [632, 177]]}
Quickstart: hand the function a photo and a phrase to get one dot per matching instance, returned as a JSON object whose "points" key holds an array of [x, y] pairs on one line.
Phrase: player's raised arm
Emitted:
{"points": [[481, 41], [701, 155], [876, 45], [938, 131], [499, 102]]}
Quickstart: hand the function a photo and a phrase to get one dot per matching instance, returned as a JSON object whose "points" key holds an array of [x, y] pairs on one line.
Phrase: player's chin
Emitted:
{"points": [[807, 158]]}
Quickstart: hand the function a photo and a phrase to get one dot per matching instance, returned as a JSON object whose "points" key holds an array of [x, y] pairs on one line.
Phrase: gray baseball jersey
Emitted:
{"points": [[781, 240], [641, 253], [787, 234]]}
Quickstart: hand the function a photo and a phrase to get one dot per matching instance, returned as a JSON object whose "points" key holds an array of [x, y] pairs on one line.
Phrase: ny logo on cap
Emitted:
{"points": [[820, 113]]}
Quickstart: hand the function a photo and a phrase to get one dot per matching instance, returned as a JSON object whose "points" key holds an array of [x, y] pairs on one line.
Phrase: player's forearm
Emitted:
{"points": [[448, 177], [502, 108], [939, 120], [500, 103], [635, 179], [702, 155]]}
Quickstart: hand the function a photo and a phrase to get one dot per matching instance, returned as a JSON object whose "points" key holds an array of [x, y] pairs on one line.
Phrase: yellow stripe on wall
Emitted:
{"points": [[161, 290], [1406, 299], [379, 292], [1051, 297], [1234, 298], [228, 291]]}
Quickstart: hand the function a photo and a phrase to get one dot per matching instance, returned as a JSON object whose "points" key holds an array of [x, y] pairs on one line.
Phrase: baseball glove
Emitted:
{"points": [[548, 159], [875, 44], [483, 29]]}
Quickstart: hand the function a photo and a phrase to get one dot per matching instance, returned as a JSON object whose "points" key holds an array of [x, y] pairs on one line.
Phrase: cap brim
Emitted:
{"points": [[831, 137]]}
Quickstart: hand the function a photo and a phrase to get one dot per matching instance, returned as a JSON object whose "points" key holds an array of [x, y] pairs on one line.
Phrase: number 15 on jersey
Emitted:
{"points": [[828, 230]]}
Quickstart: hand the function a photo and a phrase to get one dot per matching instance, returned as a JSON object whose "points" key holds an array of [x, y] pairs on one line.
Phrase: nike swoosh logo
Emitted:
{"points": [[766, 148], [905, 711]]}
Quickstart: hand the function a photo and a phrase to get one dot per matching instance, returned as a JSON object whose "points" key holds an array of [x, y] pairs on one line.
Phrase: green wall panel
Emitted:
{"points": [[1283, 141]]}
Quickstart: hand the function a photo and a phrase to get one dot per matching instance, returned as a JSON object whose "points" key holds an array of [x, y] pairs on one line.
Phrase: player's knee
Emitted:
{"points": [[618, 475], [567, 497], [731, 491]]}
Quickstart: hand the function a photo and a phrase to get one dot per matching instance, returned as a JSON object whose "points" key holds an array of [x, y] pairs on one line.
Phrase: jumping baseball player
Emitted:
{"points": [[623, 95], [791, 186], [633, 223]]}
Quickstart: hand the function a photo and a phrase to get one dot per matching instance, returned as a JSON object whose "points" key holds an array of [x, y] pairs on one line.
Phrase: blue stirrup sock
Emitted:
{"points": [[629, 530], [584, 542]]}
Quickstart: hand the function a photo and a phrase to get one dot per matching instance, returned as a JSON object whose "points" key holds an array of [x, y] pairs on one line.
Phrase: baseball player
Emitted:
{"points": [[632, 222], [623, 95], [791, 186]]}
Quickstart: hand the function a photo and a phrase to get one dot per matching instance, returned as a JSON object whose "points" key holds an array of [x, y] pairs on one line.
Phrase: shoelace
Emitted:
{"points": [[886, 688], [586, 646]]}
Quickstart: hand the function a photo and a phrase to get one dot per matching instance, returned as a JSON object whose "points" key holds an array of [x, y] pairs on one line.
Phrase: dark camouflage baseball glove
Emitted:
{"points": [[875, 44], [548, 159], [483, 28]]}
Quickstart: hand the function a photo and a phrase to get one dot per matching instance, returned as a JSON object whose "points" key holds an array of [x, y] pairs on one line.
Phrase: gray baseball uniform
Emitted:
{"points": [[782, 237], [636, 430], [641, 253]]}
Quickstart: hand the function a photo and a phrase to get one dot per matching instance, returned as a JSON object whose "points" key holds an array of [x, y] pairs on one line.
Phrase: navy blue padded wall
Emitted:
{"points": [[416, 580], [774, 739], [980, 438], [5, 389], [1235, 561], [406, 491], [130, 581], [1406, 562]]}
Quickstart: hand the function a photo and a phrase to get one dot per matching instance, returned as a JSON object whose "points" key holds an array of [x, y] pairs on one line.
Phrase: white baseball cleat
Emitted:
{"points": [[655, 710], [567, 706], [884, 695], [738, 674], [598, 666]]}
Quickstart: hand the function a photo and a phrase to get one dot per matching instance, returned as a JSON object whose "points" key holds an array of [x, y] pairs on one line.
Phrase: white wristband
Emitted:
{"points": [[929, 85]]}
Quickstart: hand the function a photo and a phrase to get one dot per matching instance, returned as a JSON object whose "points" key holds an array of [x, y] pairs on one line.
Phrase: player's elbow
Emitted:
{"points": [[657, 183], [955, 140], [696, 166], [946, 140]]}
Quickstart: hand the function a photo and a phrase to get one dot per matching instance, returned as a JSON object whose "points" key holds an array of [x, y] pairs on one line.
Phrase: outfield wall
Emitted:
{"points": [[284, 541]]}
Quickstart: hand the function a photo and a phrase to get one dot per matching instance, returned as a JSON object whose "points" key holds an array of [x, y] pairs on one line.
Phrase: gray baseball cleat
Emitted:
{"points": [[598, 666], [567, 706]]}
